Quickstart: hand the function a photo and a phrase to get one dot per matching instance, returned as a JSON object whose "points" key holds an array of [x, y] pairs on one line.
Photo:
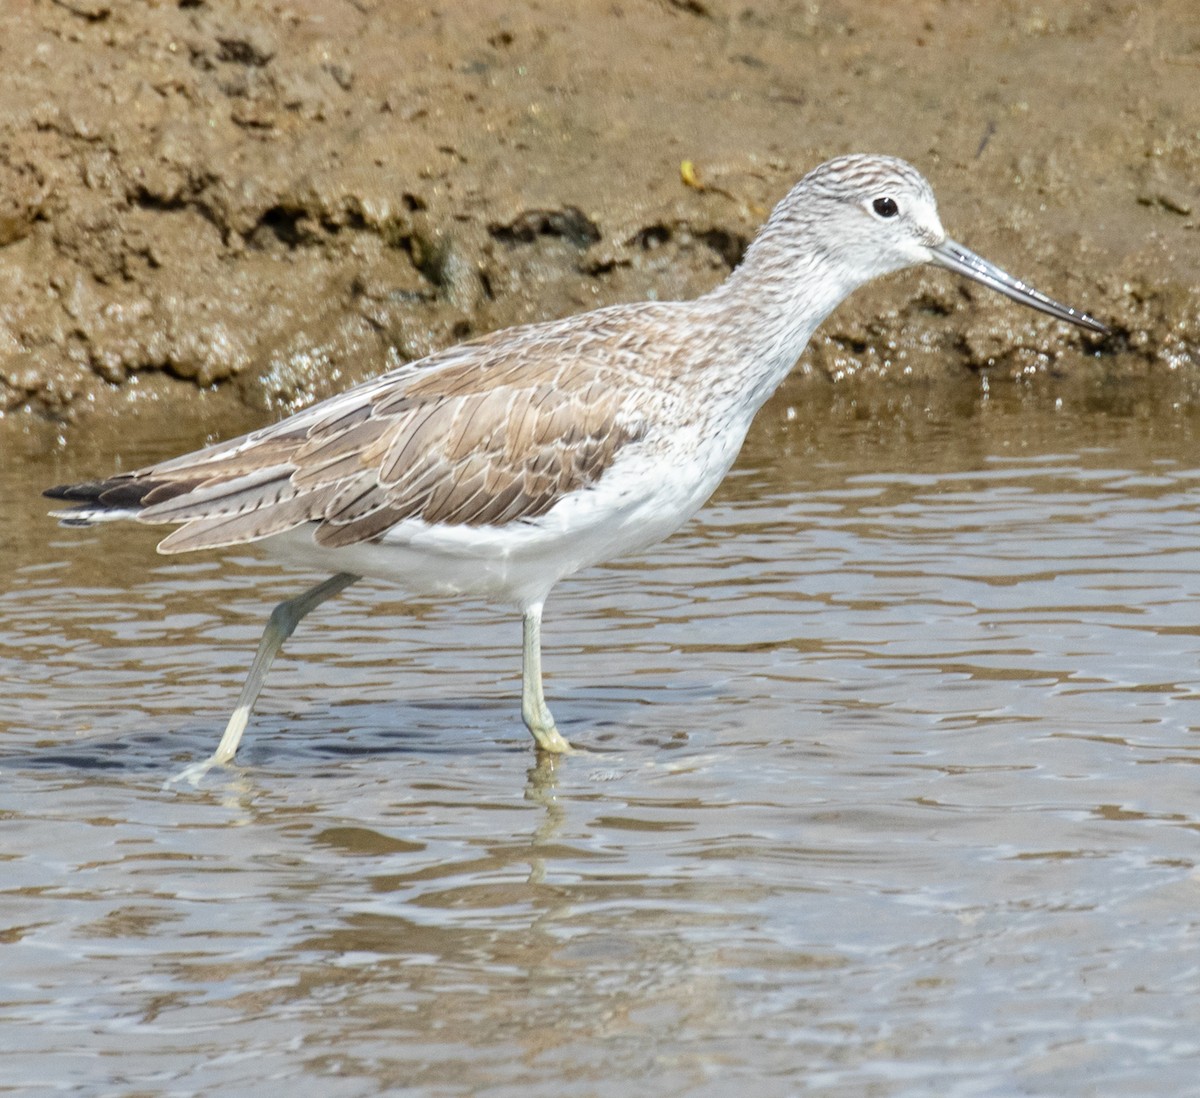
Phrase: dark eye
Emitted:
{"points": [[885, 207]]}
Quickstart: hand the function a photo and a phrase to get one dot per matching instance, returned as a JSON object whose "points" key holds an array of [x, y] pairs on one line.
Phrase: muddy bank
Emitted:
{"points": [[268, 202]]}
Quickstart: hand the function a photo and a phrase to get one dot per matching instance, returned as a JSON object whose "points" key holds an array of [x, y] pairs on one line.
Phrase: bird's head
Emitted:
{"points": [[871, 215]]}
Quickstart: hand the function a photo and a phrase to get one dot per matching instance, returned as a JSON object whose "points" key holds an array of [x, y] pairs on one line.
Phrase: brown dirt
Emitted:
{"points": [[272, 200]]}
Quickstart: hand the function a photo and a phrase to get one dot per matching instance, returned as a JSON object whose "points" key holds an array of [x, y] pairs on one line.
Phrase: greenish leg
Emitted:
{"points": [[533, 701], [282, 623]]}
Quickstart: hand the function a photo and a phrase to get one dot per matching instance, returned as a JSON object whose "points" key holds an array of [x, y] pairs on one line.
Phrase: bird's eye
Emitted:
{"points": [[885, 207]]}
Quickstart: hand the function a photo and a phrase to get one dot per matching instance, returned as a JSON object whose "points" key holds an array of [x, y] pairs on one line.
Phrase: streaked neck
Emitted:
{"points": [[786, 285]]}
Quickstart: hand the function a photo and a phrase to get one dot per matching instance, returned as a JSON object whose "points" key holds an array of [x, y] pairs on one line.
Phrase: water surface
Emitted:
{"points": [[891, 789]]}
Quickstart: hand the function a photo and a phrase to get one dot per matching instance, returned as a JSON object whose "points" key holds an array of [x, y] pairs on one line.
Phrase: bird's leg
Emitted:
{"points": [[283, 621], [533, 701], [281, 624]]}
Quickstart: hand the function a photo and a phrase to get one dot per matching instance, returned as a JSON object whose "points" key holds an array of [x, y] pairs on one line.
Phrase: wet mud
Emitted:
{"points": [[266, 202]]}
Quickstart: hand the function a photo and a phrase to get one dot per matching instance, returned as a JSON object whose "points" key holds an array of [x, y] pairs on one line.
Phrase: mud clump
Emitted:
{"points": [[280, 200]]}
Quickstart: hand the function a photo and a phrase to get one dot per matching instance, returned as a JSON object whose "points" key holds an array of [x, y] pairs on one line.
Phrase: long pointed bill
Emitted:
{"points": [[955, 257]]}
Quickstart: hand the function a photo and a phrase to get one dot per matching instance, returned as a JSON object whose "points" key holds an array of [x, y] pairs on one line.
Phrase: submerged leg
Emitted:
{"points": [[283, 621], [533, 701]]}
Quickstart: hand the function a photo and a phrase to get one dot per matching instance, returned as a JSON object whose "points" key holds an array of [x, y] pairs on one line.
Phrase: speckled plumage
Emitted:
{"points": [[501, 465]]}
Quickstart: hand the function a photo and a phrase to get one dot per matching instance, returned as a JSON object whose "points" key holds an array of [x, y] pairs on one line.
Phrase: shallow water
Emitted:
{"points": [[892, 788]]}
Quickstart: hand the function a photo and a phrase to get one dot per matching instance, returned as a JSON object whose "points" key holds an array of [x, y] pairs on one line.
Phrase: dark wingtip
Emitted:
{"points": [[122, 492], [80, 493]]}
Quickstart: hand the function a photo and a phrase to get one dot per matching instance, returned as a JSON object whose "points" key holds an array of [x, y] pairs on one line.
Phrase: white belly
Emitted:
{"points": [[646, 496]]}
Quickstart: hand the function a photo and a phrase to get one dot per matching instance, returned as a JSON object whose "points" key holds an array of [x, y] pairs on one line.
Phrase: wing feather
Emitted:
{"points": [[219, 531], [484, 434]]}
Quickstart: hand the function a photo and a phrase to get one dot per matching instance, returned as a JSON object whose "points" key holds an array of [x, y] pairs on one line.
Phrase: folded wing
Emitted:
{"points": [[484, 434]]}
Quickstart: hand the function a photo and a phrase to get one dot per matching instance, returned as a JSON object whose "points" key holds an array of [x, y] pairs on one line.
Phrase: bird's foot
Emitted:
{"points": [[193, 774], [544, 731]]}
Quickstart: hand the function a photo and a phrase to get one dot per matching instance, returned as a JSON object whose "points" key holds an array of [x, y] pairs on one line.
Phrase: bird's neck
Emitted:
{"points": [[785, 286]]}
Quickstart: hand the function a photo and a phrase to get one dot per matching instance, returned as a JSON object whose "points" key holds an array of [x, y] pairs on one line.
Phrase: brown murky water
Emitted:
{"points": [[893, 788]]}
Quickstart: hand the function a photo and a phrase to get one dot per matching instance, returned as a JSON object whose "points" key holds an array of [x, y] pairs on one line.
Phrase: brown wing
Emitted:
{"points": [[483, 435]]}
